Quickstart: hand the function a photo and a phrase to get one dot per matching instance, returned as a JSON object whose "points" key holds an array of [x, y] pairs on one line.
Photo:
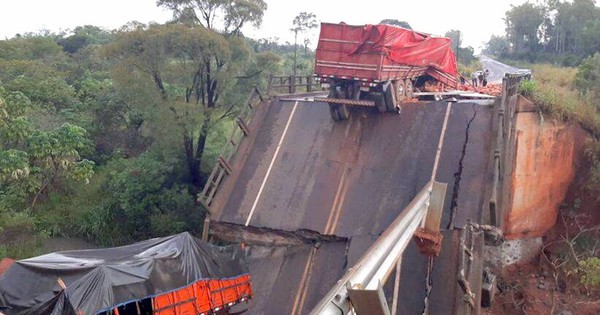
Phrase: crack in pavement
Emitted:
{"points": [[458, 174]]}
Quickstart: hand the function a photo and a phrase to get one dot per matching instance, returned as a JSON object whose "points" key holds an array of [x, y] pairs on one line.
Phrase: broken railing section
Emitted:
{"points": [[223, 166], [360, 289], [469, 269], [289, 84], [504, 114]]}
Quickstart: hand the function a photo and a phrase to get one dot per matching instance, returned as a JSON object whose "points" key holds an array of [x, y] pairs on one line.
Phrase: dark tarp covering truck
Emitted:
{"points": [[171, 275]]}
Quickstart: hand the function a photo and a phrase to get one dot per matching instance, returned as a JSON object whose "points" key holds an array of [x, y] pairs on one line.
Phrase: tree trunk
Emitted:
{"points": [[295, 51], [202, 139], [192, 162]]}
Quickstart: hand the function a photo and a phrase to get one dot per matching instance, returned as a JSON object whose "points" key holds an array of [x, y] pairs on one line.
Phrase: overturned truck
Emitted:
{"points": [[379, 65], [165, 276]]}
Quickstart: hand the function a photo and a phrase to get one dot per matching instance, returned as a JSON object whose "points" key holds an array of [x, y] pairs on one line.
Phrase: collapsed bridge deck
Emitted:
{"points": [[350, 179]]}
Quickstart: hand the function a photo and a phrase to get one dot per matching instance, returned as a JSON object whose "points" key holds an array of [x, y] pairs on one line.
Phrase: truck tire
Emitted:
{"points": [[408, 85], [390, 97], [338, 111], [334, 112], [332, 106], [379, 99], [343, 112], [400, 91]]}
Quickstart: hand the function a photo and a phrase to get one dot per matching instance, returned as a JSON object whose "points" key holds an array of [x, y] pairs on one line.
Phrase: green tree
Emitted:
{"points": [[33, 47], [395, 22], [234, 14], [523, 23], [303, 22], [463, 54], [190, 68], [32, 160], [587, 80], [497, 46], [83, 36]]}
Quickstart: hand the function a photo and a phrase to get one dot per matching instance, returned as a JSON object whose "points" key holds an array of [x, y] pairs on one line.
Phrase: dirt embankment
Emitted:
{"points": [[547, 155], [550, 199]]}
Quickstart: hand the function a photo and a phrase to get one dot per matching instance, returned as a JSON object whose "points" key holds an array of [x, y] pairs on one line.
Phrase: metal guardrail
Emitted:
{"points": [[505, 113], [362, 284], [289, 84], [223, 166]]}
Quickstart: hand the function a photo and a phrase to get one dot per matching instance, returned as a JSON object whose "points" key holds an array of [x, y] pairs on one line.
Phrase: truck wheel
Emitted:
{"points": [[400, 91], [334, 112], [408, 85], [390, 97], [379, 100], [343, 112]]}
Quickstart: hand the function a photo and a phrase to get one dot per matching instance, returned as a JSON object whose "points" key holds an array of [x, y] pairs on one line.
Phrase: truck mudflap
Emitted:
{"points": [[345, 101]]}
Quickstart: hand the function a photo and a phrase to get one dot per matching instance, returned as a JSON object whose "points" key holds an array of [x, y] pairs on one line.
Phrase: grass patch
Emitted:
{"points": [[553, 92]]}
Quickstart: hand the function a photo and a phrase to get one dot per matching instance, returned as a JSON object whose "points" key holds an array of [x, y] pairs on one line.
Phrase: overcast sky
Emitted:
{"points": [[477, 19]]}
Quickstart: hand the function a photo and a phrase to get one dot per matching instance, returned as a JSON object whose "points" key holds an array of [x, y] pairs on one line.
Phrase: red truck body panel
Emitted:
{"points": [[378, 53]]}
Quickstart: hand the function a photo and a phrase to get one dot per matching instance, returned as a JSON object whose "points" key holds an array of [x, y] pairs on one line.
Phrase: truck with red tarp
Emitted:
{"points": [[379, 65]]}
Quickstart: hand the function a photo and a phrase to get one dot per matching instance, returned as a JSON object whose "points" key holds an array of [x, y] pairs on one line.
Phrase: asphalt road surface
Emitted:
{"points": [[351, 179], [498, 69]]}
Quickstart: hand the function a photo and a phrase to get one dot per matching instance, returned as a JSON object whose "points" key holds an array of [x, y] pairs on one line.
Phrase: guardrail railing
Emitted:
{"points": [[360, 289], [504, 114], [223, 166], [290, 84]]}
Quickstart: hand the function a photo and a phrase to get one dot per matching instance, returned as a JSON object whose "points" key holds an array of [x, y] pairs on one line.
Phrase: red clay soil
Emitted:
{"points": [[532, 288], [547, 156]]}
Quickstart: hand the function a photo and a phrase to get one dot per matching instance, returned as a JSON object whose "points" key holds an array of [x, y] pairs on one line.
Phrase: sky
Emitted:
{"points": [[477, 19]]}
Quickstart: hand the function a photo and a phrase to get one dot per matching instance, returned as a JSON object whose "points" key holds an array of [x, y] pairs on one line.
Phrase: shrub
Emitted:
{"points": [[18, 235], [141, 201], [587, 80], [527, 88], [590, 269]]}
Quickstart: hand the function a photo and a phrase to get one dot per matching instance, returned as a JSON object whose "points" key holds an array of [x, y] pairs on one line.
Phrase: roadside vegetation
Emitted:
{"points": [[109, 135]]}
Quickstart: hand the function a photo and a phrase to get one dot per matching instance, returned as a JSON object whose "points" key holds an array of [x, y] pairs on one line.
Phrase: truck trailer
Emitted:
{"points": [[379, 65]]}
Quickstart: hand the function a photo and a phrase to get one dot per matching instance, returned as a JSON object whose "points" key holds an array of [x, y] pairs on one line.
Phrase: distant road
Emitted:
{"points": [[498, 69]]}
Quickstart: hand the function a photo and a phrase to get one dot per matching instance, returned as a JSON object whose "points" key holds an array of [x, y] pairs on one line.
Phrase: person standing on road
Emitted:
{"points": [[474, 78], [486, 73]]}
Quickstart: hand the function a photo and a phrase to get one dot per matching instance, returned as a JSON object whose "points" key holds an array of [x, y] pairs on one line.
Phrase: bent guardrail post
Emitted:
{"points": [[363, 282]]}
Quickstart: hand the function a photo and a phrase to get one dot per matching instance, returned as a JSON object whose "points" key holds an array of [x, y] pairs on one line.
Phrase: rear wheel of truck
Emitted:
{"points": [[332, 106], [334, 112], [379, 99], [408, 85], [343, 112], [390, 97], [400, 91]]}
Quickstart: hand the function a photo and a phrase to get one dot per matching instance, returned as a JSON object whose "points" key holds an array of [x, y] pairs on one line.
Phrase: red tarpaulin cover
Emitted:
{"points": [[409, 47]]}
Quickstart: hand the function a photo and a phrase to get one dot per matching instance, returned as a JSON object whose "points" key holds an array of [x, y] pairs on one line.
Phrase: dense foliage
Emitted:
{"points": [[563, 32], [109, 135]]}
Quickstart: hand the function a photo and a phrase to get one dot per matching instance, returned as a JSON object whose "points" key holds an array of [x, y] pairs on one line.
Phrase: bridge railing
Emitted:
{"points": [[504, 115], [290, 84], [223, 166], [360, 290]]}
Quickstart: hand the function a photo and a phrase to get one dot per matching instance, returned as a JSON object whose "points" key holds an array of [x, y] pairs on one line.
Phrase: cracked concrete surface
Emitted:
{"points": [[351, 179]]}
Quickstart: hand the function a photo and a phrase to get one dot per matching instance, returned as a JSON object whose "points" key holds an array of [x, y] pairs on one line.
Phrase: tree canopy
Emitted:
{"points": [[220, 15]]}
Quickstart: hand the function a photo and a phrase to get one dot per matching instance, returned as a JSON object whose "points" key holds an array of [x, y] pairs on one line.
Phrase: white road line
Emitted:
{"points": [[262, 185]]}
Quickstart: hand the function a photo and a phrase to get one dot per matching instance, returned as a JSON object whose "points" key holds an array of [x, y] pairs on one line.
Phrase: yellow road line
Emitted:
{"points": [[335, 200], [303, 286], [340, 205]]}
